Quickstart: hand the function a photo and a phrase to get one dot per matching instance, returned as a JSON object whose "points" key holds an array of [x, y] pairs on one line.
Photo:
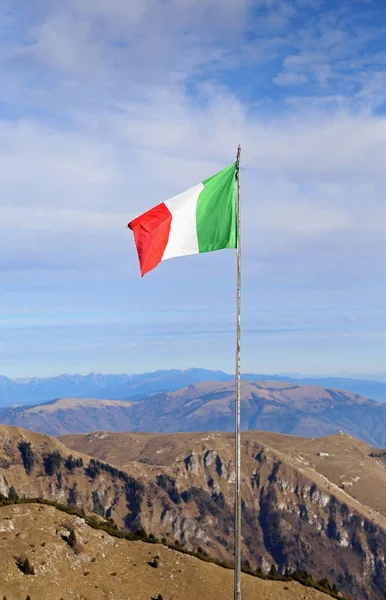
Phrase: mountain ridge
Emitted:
{"points": [[32, 390], [282, 407]]}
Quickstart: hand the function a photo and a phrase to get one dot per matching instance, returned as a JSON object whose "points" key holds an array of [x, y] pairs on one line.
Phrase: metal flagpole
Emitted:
{"points": [[237, 572]]}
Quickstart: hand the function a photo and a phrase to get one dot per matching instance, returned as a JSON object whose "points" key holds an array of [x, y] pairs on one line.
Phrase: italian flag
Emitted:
{"points": [[202, 219]]}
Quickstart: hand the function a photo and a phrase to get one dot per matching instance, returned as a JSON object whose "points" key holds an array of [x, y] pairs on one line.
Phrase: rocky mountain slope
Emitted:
{"points": [[344, 462], [100, 566], [298, 509], [272, 406]]}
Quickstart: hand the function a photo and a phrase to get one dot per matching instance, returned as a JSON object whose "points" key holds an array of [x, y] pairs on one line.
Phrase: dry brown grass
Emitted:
{"points": [[112, 568]]}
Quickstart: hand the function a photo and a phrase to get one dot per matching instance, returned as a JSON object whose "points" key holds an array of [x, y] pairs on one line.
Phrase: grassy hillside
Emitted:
{"points": [[71, 560]]}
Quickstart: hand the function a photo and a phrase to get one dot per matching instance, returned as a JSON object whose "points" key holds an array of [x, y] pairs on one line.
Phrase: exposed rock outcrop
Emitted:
{"points": [[293, 517]]}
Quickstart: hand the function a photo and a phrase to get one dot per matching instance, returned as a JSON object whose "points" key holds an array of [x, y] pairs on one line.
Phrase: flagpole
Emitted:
{"points": [[237, 572]]}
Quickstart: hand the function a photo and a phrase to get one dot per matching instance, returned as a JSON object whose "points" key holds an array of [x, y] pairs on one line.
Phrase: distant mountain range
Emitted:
{"points": [[282, 407], [135, 387]]}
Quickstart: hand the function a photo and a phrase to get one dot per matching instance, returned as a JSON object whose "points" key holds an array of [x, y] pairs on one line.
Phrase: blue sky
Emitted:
{"points": [[108, 107]]}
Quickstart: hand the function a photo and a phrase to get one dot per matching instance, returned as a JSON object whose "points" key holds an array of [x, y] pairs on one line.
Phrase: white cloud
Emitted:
{"points": [[114, 106], [310, 175]]}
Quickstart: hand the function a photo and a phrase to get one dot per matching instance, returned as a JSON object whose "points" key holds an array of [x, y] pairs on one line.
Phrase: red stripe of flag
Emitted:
{"points": [[151, 234]]}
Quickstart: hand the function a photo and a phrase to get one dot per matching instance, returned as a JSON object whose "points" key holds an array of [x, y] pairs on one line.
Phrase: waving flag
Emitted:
{"points": [[201, 219]]}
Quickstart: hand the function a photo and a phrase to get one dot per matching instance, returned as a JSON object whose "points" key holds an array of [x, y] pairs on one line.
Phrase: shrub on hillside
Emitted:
{"points": [[73, 495], [153, 563], [97, 505], [168, 484], [27, 455], [72, 539], [324, 583], [273, 574], [12, 498], [25, 566], [72, 463], [52, 463]]}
